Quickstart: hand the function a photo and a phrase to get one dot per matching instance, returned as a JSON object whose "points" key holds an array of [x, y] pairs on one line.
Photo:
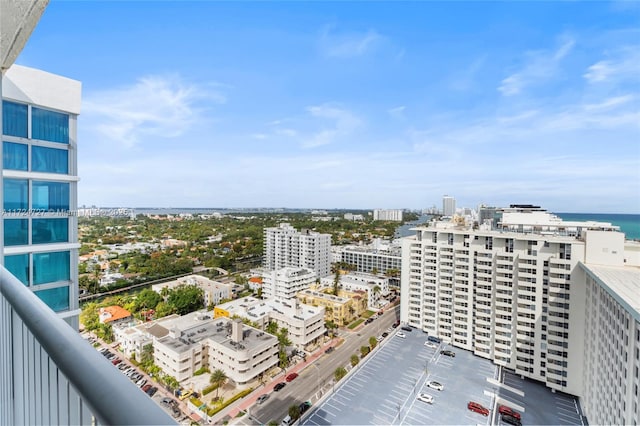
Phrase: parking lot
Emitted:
{"points": [[385, 386]]}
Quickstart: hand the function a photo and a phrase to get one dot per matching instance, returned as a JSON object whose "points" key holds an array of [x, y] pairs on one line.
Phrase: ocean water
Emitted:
{"points": [[628, 223]]}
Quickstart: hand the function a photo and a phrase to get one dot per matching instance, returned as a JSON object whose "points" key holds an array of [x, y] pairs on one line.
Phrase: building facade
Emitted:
{"points": [[371, 258], [394, 215], [284, 246], [508, 294], [448, 206], [39, 185], [213, 291], [340, 309], [285, 283]]}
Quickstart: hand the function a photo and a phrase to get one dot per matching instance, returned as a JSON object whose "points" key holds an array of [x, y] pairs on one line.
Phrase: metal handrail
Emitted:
{"points": [[112, 398]]}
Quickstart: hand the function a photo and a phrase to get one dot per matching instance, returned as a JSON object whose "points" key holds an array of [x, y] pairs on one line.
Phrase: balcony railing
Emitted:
{"points": [[51, 375]]}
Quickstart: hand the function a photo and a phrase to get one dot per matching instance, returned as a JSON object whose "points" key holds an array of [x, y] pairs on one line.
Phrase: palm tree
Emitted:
{"points": [[217, 379], [294, 412], [339, 373], [373, 342], [355, 359], [376, 292]]}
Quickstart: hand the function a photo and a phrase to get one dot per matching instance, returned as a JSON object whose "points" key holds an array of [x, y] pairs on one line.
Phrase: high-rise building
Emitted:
{"points": [[394, 215], [528, 291], [39, 185], [284, 246], [448, 206]]}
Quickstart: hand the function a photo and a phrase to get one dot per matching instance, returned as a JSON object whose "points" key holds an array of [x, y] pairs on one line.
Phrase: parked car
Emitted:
{"points": [[279, 386], [152, 391], [329, 350], [434, 339], [425, 398], [512, 420], [406, 328], [478, 408], [401, 334], [146, 387], [448, 353], [435, 385], [291, 377], [380, 338], [262, 398], [385, 334], [503, 409], [395, 324], [430, 344], [304, 407]]}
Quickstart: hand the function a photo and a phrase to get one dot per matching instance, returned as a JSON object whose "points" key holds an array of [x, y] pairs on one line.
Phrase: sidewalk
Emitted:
{"points": [[249, 400]]}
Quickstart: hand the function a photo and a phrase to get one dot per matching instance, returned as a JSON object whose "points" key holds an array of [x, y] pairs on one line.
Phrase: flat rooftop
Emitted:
{"points": [[622, 282]]}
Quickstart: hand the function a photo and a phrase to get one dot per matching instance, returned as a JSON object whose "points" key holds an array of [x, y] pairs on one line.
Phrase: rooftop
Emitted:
{"points": [[623, 282]]}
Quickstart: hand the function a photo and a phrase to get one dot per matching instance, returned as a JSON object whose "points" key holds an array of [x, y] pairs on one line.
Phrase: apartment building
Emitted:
{"points": [[448, 206], [340, 309], [285, 283], [39, 185], [509, 292], [213, 291], [305, 323], [375, 286], [394, 215], [377, 256], [284, 246], [611, 377]]}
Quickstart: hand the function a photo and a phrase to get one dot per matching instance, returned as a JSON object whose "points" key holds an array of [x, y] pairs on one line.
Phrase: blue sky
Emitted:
{"points": [[351, 104]]}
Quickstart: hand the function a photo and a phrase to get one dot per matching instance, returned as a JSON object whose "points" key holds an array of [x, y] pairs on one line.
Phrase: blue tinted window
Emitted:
{"points": [[16, 232], [51, 267], [16, 195], [15, 156], [49, 125], [50, 196], [49, 231], [14, 119], [18, 265], [49, 160], [56, 298]]}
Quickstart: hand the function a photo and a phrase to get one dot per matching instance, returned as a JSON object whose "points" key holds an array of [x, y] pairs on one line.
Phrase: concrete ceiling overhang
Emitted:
{"points": [[18, 18]]}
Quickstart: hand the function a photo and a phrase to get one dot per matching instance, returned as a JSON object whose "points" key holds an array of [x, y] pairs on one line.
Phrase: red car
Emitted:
{"points": [[474, 406], [291, 376], [146, 387], [503, 409]]}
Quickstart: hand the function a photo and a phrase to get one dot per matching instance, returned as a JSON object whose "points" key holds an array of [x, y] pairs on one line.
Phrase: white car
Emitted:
{"points": [[430, 344], [401, 334], [435, 385], [425, 398]]}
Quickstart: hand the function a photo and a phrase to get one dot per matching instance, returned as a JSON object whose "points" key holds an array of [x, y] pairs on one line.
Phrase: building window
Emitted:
{"points": [[18, 265], [50, 196], [49, 125], [14, 119], [16, 232], [51, 267], [49, 231], [49, 160], [15, 156], [56, 298], [16, 195]]}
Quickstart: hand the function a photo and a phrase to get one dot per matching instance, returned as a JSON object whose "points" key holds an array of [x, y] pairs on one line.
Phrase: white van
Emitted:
{"points": [[286, 421]]}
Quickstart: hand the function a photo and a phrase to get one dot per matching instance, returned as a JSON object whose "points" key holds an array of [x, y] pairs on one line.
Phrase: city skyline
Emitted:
{"points": [[351, 105]]}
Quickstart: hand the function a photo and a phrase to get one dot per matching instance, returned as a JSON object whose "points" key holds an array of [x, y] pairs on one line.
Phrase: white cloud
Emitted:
{"points": [[397, 112], [623, 64], [539, 66], [345, 45], [341, 123], [158, 106]]}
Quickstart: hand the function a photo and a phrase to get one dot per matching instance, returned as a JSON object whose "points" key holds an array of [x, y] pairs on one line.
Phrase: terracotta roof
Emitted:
{"points": [[113, 313], [256, 280]]}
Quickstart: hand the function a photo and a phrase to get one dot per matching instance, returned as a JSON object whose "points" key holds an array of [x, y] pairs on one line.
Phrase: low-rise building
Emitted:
{"points": [[341, 309], [305, 323], [375, 286], [114, 316], [214, 291], [284, 283]]}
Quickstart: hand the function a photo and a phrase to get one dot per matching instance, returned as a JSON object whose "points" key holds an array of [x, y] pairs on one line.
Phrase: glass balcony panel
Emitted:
{"points": [[51, 267], [49, 231], [50, 196], [18, 265], [15, 156], [49, 160], [16, 195], [16, 232], [56, 298]]}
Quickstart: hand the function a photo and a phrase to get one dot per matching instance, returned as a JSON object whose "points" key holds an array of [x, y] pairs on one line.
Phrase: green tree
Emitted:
{"points": [[259, 292], [376, 291], [272, 328], [355, 359], [147, 354], [186, 298], [374, 271], [373, 342], [147, 299], [339, 373], [364, 350], [336, 280], [90, 317], [294, 412], [171, 382], [218, 379], [163, 309]]}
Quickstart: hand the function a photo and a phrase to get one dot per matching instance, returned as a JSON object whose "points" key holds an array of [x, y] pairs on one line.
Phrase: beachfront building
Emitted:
{"points": [[284, 246], [512, 292], [39, 185], [285, 283], [305, 323]]}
